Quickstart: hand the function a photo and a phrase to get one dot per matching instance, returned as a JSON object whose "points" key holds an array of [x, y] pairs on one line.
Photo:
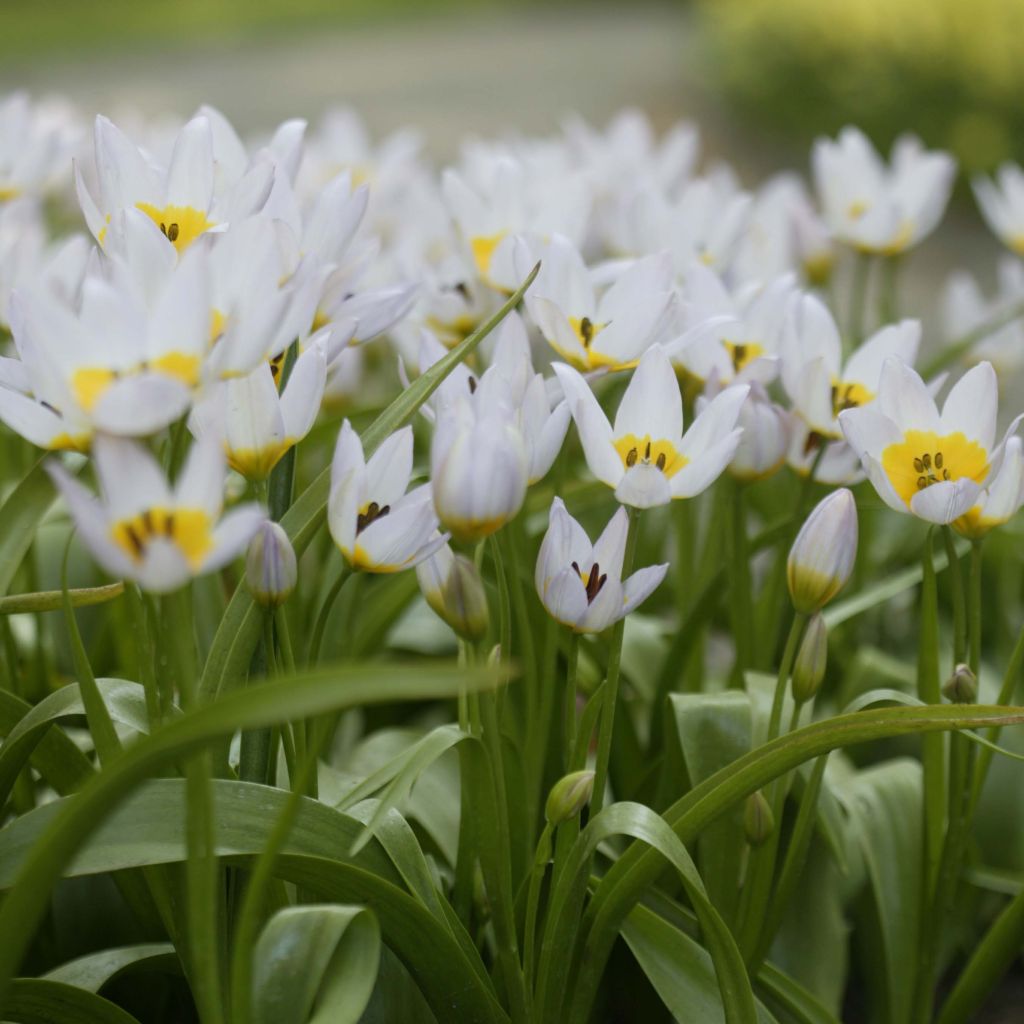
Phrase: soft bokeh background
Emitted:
{"points": [[761, 77]]}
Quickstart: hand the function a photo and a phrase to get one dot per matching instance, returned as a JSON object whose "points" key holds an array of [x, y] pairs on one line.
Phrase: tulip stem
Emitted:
{"points": [[569, 711], [785, 669], [858, 299], [611, 693], [540, 864], [956, 580], [741, 609]]}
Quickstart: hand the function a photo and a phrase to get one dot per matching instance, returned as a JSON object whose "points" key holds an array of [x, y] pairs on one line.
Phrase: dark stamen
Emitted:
{"points": [[631, 457], [586, 331], [172, 233], [373, 512]]}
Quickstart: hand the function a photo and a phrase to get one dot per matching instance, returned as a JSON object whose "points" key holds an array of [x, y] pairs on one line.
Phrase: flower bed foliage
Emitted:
{"points": [[539, 589], [955, 69]]}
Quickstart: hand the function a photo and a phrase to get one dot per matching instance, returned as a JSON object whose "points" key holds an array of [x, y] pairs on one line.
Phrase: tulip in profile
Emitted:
{"points": [[822, 556]]}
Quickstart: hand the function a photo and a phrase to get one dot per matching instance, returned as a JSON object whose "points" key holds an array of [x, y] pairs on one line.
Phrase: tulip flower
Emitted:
{"points": [[1002, 204], [645, 456], [146, 530], [452, 586], [919, 461], [271, 571], [1002, 496], [581, 584], [822, 556], [376, 525], [819, 383], [878, 208]]}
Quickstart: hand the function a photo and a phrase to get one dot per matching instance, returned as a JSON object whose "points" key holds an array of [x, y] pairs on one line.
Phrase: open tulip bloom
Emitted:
{"points": [[376, 525], [644, 455], [579, 583], [144, 529], [920, 461], [819, 383], [180, 199], [593, 333]]}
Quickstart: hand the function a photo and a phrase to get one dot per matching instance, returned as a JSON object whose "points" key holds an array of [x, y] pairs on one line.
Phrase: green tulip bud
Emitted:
{"points": [[568, 796], [811, 658], [758, 820], [962, 686]]}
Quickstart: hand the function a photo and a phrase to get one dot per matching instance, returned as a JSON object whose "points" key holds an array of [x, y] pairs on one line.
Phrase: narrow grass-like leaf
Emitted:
{"points": [[19, 517], [92, 971], [37, 1001], [239, 629], [284, 699], [53, 600], [638, 868], [679, 968]]}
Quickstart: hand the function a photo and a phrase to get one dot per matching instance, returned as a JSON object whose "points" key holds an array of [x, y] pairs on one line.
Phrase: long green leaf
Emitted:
{"points": [[52, 600], [315, 965], [284, 699], [125, 701], [228, 660], [146, 831], [94, 970], [60, 763], [19, 517], [36, 1001], [638, 822], [678, 967], [639, 867]]}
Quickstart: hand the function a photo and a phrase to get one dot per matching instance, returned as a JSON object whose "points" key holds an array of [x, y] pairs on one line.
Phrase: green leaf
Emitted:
{"points": [[884, 807], [61, 764], [228, 660], [399, 776], [283, 699], [52, 600], [315, 964], [713, 730], [37, 1001], [125, 701], [20, 515], [146, 830], [642, 823], [678, 967], [639, 867], [790, 999], [93, 971]]}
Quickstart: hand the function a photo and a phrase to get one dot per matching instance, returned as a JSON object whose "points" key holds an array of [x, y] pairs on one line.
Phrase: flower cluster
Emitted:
{"points": [[229, 292]]}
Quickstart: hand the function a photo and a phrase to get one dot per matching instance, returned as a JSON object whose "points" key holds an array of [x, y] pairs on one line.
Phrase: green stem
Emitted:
{"points": [[785, 669], [316, 643], [858, 299], [202, 874], [740, 598], [144, 655], [540, 864], [611, 693], [569, 708], [956, 580], [256, 892], [888, 300], [974, 610]]}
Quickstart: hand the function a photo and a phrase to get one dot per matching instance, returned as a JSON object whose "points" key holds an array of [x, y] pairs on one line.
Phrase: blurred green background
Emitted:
{"points": [[783, 70]]}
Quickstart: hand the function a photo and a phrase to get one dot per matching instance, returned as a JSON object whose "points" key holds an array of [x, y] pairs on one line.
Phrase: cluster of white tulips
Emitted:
{"points": [[229, 292]]}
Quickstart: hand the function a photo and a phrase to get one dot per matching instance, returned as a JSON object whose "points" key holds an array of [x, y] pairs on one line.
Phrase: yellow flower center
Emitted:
{"points": [[182, 225], [643, 451], [924, 458], [9, 192], [741, 353], [451, 332], [483, 247], [189, 529], [90, 383], [218, 324], [848, 395]]}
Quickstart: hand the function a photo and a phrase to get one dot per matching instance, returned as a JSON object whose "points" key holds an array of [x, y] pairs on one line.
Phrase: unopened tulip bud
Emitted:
{"points": [[765, 440], [758, 820], [568, 796], [452, 587], [822, 556], [270, 569], [962, 686], [809, 667]]}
